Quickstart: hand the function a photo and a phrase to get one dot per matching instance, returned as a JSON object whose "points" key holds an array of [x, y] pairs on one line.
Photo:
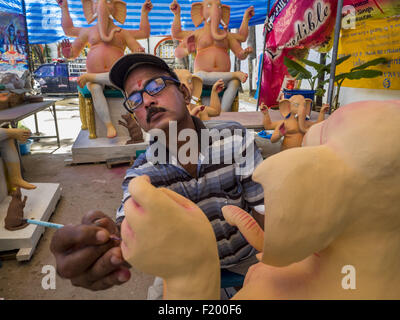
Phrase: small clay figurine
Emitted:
{"points": [[15, 212], [134, 130]]}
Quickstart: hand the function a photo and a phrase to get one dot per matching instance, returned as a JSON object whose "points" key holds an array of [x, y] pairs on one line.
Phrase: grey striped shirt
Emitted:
{"points": [[217, 185]]}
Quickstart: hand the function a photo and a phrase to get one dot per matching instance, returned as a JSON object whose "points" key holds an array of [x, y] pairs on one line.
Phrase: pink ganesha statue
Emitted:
{"points": [[211, 45], [332, 225], [107, 44]]}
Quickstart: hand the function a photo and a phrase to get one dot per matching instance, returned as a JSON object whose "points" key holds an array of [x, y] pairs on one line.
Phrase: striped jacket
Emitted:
{"points": [[217, 184]]}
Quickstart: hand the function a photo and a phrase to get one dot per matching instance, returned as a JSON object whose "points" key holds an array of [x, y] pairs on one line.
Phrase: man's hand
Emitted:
{"points": [[147, 6], [175, 7], [87, 256]]}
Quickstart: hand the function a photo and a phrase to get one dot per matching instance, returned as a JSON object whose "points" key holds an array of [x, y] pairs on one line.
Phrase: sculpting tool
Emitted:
{"points": [[57, 226]]}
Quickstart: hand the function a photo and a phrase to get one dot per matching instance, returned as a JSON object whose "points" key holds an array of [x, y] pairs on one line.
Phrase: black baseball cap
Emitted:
{"points": [[123, 67]]}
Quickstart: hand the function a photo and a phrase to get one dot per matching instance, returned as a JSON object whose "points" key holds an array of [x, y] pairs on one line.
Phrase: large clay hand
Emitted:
{"points": [[249, 227], [175, 7], [147, 6], [191, 43], [87, 256], [167, 235], [66, 48]]}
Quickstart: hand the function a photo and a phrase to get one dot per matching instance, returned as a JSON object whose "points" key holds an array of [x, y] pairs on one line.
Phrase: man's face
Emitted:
{"points": [[158, 110]]}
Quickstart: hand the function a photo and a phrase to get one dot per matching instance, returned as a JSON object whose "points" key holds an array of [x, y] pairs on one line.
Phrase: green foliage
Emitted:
{"points": [[297, 71]]}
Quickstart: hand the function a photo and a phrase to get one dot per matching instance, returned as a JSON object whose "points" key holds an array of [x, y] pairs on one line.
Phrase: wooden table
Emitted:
{"points": [[254, 119], [15, 114]]}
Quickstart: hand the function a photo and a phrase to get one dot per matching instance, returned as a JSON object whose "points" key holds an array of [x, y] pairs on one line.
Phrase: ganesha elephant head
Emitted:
{"points": [[191, 81], [213, 12], [296, 105], [103, 10]]}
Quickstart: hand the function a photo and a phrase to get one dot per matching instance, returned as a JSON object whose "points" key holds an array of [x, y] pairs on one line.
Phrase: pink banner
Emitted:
{"points": [[293, 26]]}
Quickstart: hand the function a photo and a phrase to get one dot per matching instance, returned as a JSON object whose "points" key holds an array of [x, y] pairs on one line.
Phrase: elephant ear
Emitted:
{"points": [[197, 13], [226, 14], [88, 12], [284, 107], [306, 206], [197, 86], [119, 11]]}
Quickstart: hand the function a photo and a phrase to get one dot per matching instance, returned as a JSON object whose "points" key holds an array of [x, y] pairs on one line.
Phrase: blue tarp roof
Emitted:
{"points": [[44, 16]]}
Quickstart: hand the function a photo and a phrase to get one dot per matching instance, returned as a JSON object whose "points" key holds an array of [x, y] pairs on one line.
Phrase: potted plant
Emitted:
{"points": [[299, 72]]}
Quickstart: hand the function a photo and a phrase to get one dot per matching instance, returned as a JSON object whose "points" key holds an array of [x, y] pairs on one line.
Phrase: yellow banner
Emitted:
{"points": [[370, 40]]}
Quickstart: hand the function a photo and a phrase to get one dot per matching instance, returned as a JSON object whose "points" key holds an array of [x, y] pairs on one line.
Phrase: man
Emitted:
{"points": [[86, 254]]}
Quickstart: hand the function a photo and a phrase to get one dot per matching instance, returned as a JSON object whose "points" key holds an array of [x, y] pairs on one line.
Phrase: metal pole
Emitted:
{"points": [[334, 53], [262, 56], [28, 49]]}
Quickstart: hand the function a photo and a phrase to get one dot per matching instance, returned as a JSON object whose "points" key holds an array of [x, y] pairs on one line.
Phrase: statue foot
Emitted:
{"points": [[111, 132], [18, 182], [241, 76]]}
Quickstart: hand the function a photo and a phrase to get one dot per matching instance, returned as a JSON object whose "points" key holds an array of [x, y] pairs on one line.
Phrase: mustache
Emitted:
{"points": [[152, 111]]}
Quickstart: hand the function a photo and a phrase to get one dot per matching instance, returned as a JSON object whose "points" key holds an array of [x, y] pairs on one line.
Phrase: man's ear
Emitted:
{"points": [[306, 207], [186, 93]]}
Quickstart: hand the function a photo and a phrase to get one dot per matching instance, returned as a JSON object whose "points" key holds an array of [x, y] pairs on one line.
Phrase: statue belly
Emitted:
{"points": [[102, 57], [212, 59]]}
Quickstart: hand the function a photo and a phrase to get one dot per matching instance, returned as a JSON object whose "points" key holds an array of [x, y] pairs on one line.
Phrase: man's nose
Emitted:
{"points": [[149, 100]]}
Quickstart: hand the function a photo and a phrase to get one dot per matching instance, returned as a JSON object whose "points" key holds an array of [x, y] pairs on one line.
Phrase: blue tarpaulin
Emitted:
{"points": [[44, 16]]}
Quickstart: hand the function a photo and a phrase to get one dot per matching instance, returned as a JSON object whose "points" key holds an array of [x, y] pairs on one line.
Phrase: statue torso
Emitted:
{"points": [[102, 55], [211, 55]]}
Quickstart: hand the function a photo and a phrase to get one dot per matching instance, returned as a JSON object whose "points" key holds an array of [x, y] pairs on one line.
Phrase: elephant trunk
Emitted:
{"points": [[216, 32], [104, 21], [302, 113]]}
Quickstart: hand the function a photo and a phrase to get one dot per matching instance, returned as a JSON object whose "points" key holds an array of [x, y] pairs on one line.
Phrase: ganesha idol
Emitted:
{"points": [[332, 223], [211, 45], [107, 44]]}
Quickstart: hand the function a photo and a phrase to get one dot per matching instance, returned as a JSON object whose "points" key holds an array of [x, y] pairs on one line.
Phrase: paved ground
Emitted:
{"points": [[85, 187]]}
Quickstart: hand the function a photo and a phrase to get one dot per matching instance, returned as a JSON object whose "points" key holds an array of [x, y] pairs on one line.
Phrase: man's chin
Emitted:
{"points": [[160, 121]]}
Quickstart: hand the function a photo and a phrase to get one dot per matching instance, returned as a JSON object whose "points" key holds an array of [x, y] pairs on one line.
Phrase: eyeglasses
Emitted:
{"points": [[153, 86]]}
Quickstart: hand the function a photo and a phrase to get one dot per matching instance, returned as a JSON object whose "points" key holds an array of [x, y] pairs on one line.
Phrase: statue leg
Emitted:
{"points": [[101, 107], [10, 155], [232, 85]]}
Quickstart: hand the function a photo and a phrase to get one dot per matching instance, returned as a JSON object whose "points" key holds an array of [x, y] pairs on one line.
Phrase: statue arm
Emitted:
{"points": [[132, 43], [176, 28], [214, 109], [276, 136], [66, 22], [243, 33], [187, 46], [144, 29], [76, 47], [237, 49]]}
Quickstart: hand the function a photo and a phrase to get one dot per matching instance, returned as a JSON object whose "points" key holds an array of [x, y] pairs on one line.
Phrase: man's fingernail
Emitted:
{"points": [[122, 277], [101, 236], [115, 260]]}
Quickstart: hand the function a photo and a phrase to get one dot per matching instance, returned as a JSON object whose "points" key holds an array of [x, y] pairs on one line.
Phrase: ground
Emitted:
{"points": [[84, 188]]}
